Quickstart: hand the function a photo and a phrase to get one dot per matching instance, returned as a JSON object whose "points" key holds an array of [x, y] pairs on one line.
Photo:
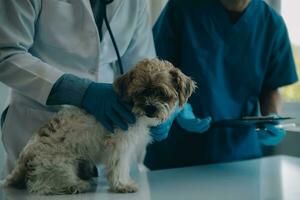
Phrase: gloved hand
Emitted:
{"points": [[188, 121], [269, 135], [101, 101], [185, 118], [161, 131]]}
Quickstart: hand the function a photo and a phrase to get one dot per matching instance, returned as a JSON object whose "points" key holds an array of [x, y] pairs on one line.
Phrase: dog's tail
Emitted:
{"points": [[16, 178]]}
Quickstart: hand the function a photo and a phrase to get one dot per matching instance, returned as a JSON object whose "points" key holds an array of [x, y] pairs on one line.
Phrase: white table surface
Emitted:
{"points": [[268, 178]]}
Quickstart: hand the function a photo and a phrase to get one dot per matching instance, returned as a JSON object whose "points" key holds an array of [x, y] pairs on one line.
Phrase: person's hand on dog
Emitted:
{"points": [[101, 101], [189, 122], [161, 131], [186, 120]]}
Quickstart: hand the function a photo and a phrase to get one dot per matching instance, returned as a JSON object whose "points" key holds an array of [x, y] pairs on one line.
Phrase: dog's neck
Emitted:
{"points": [[146, 121]]}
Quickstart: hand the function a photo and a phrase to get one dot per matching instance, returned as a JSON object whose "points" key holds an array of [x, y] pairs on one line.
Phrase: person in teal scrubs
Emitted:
{"points": [[239, 53]]}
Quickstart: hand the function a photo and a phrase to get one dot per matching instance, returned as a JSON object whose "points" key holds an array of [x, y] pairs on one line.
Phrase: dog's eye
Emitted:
{"points": [[147, 92], [165, 98], [162, 95], [144, 93]]}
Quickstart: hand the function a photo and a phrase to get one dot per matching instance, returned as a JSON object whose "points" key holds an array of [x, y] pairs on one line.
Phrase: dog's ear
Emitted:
{"points": [[121, 86], [184, 85]]}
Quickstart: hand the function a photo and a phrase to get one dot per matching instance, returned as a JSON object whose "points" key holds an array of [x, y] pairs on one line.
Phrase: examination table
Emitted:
{"points": [[270, 178]]}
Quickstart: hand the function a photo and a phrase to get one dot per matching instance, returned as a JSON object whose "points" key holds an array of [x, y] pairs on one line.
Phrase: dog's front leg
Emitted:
{"points": [[118, 173], [140, 157]]}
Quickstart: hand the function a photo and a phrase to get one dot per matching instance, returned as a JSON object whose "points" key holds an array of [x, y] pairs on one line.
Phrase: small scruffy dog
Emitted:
{"points": [[49, 162]]}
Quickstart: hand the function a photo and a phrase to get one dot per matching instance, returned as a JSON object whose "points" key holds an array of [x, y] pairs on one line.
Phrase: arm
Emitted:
{"points": [[270, 102], [164, 39], [281, 71], [36, 79], [18, 68], [98, 99], [166, 35]]}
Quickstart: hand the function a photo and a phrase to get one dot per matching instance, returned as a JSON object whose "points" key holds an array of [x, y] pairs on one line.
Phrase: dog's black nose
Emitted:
{"points": [[150, 110]]}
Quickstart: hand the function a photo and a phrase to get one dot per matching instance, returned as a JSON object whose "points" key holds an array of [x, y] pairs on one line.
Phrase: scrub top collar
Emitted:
{"points": [[224, 22]]}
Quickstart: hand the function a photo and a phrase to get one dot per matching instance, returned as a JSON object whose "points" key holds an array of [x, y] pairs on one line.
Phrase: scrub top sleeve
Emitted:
{"points": [[141, 45], [165, 32], [281, 70], [18, 68]]}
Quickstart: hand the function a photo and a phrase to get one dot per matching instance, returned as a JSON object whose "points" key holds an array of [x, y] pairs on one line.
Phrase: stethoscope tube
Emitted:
{"points": [[106, 2]]}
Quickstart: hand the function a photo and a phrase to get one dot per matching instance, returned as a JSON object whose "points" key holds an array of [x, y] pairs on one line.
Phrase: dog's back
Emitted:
{"points": [[49, 162]]}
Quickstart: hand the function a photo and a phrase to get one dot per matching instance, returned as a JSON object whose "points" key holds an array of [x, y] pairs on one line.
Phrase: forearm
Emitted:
{"points": [[68, 90], [270, 102]]}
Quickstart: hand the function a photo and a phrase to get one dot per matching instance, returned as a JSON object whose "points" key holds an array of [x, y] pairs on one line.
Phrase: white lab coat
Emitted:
{"points": [[40, 40]]}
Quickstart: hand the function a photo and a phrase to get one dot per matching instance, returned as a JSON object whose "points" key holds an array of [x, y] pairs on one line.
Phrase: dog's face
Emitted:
{"points": [[154, 88]]}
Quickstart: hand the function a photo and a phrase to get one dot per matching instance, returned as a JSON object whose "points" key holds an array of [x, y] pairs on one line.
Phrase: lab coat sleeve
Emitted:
{"points": [[281, 70], [141, 45], [68, 90], [166, 33], [18, 68]]}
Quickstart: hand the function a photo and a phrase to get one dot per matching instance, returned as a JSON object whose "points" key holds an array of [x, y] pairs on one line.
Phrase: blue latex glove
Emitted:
{"points": [[269, 135], [185, 118], [102, 101], [161, 131], [188, 121]]}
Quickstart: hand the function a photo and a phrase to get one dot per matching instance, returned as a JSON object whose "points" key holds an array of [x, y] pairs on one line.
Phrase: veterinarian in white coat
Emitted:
{"points": [[42, 40]]}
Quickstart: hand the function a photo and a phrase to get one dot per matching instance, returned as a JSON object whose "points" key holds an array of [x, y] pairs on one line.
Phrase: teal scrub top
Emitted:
{"points": [[232, 63]]}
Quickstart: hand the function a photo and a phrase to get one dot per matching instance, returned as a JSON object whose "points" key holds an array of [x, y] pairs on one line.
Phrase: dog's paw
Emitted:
{"points": [[125, 188], [81, 186], [142, 168]]}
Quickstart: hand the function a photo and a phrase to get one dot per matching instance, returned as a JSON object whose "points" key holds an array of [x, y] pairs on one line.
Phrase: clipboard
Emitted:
{"points": [[255, 121]]}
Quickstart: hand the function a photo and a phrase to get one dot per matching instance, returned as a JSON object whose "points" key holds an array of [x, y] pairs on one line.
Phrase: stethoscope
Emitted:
{"points": [[105, 3]]}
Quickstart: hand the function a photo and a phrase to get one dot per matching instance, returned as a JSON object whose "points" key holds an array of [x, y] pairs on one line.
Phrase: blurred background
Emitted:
{"points": [[291, 95]]}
